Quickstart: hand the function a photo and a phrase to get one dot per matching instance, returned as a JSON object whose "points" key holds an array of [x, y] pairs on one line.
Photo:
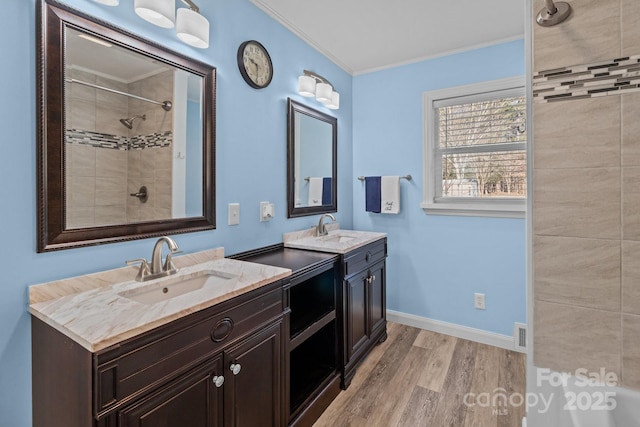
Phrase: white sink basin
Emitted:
{"points": [[165, 289], [337, 238], [338, 241]]}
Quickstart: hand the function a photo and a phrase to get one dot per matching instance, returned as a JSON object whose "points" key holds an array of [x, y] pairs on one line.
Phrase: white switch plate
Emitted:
{"points": [[478, 301], [234, 213]]}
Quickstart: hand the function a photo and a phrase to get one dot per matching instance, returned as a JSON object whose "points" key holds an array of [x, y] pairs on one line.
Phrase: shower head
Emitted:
{"points": [[553, 13], [129, 122]]}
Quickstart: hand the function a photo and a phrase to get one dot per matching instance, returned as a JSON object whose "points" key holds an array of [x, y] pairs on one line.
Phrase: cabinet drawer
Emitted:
{"points": [[174, 348], [365, 257]]}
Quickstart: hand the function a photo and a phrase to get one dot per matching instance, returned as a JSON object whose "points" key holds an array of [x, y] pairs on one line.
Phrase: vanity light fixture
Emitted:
{"points": [[312, 84], [159, 12], [191, 27]]}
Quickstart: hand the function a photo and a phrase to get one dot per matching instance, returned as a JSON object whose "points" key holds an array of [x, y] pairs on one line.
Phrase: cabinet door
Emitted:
{"points": [[194, 400], [357, 313], [377, 297], [254, 384]]}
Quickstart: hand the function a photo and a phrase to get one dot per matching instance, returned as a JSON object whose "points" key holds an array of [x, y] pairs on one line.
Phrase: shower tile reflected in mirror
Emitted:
{"points": [[116, 144]]}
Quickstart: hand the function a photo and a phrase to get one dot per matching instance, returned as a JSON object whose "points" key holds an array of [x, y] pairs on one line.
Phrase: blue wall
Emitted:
{"points": [[436, 263], [251, 161]]}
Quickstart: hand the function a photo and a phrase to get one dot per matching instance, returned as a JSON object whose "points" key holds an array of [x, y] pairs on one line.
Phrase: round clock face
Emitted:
{"points": [[255, 64]]}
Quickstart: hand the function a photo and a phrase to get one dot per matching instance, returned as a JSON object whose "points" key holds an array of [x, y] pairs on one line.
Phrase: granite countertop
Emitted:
{"points": [[94, 310], [338, 241]]}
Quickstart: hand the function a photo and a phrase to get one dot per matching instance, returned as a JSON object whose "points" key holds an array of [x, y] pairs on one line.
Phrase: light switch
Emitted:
{"points": [[234, 213]]}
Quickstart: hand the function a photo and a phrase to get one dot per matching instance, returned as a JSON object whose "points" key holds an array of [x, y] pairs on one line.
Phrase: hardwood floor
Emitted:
{"points": [[421, 378]]}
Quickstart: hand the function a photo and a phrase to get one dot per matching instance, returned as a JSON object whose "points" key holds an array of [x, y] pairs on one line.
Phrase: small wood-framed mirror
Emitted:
{"points": [[126, 135], [312, 165]]}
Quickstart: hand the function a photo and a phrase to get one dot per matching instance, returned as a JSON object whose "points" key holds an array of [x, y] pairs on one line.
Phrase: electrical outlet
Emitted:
{"points": [[478, 301], [234, 213], [266, 211]]}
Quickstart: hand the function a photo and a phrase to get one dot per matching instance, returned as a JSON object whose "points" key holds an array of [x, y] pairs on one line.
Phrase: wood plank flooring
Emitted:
{"points": [[421, 378]]}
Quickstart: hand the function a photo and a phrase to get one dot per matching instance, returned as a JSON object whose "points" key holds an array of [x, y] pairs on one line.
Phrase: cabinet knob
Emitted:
{"points": [[235, 368], [218, 380], [368, 256]]}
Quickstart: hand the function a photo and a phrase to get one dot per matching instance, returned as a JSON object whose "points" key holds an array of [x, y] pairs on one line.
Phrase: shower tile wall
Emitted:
{"points": [[151, 167], [586, 201], [101, 179]]}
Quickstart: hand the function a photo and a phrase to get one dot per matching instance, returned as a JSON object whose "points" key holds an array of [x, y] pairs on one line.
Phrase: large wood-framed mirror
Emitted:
{"points": [[126, 135], [312, 165]]}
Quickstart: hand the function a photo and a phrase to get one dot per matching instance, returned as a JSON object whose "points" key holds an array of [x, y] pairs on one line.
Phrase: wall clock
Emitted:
{"points": [[255, 64]]}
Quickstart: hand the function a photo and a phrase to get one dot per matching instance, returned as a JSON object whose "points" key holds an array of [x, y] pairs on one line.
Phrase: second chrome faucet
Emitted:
{"points": [[321, 229], [157, 268]]}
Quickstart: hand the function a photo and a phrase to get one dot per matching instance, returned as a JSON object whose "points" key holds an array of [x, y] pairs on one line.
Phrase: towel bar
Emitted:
{"points": [[407, 177]]}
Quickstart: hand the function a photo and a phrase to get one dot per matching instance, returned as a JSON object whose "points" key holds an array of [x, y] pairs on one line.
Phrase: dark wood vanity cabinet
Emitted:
{"points": [[192, 400], [364, 306], [240, 387], [222, 366], [254, 396]]}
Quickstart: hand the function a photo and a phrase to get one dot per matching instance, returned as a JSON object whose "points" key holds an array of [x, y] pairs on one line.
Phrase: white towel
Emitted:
{"points": [[315, 191], [390, 194]]}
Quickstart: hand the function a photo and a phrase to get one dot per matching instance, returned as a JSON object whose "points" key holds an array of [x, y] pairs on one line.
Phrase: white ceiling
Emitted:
{"points": [[366, 35]]}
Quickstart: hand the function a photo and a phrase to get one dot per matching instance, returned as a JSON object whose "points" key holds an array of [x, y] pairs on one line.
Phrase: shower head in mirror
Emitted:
{"points": [[129, 122]]}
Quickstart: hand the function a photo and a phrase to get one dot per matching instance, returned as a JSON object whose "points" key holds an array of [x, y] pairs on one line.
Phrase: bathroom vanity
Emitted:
{"points": [[116, 354], [224, 342], [335, 311], [361, 292]]}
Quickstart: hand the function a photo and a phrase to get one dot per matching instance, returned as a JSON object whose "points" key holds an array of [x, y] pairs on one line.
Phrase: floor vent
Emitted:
{"points": [[520, 337]]}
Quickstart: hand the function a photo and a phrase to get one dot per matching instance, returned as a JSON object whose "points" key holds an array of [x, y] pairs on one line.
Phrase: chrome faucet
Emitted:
{"points": [[157, 269], [321, 229]]}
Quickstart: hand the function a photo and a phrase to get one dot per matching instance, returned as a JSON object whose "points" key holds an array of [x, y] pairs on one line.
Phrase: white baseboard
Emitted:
{"points": [[458, 331]]}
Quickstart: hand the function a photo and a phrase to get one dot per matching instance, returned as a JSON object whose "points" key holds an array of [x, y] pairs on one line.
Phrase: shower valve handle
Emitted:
{"points": [[142, 194]]}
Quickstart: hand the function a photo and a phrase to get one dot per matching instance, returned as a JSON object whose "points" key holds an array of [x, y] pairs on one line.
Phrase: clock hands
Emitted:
{"points": [[256, 64]]}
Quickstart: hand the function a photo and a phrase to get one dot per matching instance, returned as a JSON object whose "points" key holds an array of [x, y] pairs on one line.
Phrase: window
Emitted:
{"points": [[475, 147]]}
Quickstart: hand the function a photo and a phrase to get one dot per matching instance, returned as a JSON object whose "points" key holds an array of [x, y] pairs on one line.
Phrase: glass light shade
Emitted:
{"points": [[334, 104], [323, 92], [192, 28], [108, 2], [159, 12], [306, 86]]}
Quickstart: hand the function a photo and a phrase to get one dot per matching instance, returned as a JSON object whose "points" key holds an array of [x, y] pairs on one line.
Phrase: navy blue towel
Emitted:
{"points": [[372, 193], [326, 191]]}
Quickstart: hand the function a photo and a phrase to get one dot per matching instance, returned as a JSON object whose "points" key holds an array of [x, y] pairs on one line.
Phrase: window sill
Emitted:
{"points": [[497, 210]]}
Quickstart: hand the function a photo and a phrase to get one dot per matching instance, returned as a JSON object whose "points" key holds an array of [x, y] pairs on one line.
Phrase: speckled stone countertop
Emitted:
{"points": [[93, 311], [351, 239]]}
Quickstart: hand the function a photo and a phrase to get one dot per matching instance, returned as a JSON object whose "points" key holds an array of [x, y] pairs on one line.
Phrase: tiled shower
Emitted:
{"points": [[107, 162], [586, 198]]}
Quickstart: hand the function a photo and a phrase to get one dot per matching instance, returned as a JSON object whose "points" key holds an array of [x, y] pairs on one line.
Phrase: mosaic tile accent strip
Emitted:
{"points": [[96, 139], [116, 142], [160, 139], [615, 77]]}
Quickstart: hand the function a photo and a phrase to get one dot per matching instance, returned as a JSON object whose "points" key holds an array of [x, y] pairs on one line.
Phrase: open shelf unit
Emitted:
{"points": [[313, 336], [312, 363], [312, 300]]}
